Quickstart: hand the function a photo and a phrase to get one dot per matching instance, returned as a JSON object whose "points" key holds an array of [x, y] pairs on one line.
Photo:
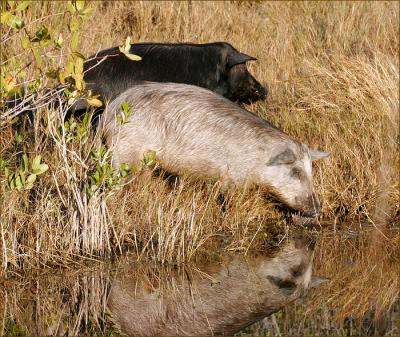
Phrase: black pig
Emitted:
{"points": [[215, 66]]}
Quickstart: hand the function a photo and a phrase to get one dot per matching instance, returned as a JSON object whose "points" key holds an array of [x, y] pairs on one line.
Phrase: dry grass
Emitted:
{"points": [[355, 261], [71, 304], [333, 74]]}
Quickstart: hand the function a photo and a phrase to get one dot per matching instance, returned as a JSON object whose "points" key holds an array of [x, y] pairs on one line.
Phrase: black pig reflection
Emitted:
{"points": [[217, 300]]}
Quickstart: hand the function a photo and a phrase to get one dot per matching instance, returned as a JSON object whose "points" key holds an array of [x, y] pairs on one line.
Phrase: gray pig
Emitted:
{"points": [[216, 299], [197, 131]]}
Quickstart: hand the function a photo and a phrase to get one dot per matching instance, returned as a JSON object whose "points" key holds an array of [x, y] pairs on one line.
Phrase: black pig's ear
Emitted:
{"points": [[238, 58]]}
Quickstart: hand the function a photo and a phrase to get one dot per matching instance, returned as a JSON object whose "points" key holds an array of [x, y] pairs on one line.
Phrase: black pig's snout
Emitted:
{"points": [[262, 92]]}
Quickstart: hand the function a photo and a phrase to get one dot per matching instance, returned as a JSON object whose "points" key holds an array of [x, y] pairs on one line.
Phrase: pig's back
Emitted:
{"points": [[188, 127], [181, 104]]}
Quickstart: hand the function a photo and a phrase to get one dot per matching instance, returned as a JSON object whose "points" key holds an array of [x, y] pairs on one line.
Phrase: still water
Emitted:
{"points": [[258, 295]]}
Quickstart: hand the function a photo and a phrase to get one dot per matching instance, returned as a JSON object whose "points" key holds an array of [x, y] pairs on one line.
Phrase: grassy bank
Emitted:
{"points": [[333, 74]]}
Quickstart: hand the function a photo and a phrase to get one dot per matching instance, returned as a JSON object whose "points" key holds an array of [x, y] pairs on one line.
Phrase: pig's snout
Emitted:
{"points": [[253, 93], [261, 92], [308, 206]]}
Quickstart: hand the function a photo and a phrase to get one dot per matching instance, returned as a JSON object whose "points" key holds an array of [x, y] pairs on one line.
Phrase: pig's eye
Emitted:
{"points": [[286, 157], [298, 270], [287, 286], [297, 173]]}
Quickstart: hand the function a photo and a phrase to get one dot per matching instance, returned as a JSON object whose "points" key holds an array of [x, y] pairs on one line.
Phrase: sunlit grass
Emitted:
{"points": [[333, 76]]}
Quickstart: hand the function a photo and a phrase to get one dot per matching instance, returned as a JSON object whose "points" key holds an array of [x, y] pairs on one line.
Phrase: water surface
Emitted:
{"points": [[257, 295]]}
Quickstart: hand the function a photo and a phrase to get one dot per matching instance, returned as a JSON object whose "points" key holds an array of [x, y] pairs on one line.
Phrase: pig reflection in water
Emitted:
{"points": [[218, 300]]}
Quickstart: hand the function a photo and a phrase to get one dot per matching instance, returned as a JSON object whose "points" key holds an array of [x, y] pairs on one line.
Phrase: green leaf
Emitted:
{"points": [[125, 106], [79, 4], [19, 23], [42, 168], [61, 78], [59, 41], [11, 183], [71, 8], [126, 46], [22, 175], [149, 158], [79, 82], [11, 20], [86, 119], [133, 57], [24, 164], [38, 58], [124, 170], [29, 181], [18, 183], [74, 41], [25, 42], [78, 54], [74, 25], [88, 10], [12, 177], [6, 18], [41, 34], [13, 121], [11, 3], [34, 86], [52, 73], [23, 5], [45, 43], [94, 102], [152, 155], [78, 67], [69, 67], [36, 162], [96, 177], [18, 137]]}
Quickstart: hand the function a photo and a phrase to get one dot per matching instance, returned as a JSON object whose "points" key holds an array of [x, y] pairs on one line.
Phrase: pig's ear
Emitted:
{"points": [[238, 58], [283, 158], [316, 154], [317, 281]]}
